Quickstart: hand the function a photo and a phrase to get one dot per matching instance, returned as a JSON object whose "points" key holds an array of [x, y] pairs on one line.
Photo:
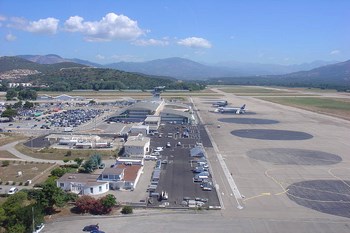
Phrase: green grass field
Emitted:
{"points": [[244, 89], [330, 106]]}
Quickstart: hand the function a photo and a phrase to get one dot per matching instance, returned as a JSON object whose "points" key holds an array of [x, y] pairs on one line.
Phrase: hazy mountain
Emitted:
{"points": [[187, 69], [248, 69], [53, 59], [174, 67], [11, 63], [335, 76], [44, 59], [338, 73]]}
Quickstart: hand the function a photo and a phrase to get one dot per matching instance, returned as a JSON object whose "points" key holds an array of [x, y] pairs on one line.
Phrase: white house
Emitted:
{"points": [[122, 176], [84, 184], [137, 147]]}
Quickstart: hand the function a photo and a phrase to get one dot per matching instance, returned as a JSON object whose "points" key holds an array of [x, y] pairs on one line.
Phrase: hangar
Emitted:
{"points": [[171, 115]]}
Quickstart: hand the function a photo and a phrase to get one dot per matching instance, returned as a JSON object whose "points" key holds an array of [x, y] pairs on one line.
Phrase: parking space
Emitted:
{"points": [[176, 180]]}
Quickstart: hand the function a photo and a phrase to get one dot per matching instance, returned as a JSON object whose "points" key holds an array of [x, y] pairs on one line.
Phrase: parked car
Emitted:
{"points": [[91, 228], [97, 231], [168, 145], [12, 190]]}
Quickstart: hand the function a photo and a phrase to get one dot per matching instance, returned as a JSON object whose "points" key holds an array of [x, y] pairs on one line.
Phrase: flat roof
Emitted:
{"points": [[78, 178], [137, 142]]}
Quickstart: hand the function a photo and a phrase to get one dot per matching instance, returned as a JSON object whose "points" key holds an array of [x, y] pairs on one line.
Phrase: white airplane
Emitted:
{"points": [[237, 110]]}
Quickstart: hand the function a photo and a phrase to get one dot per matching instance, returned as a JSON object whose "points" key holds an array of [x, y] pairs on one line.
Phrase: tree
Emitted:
{"points": [[89, 166], [69, 153], [108, 201], [28, 105], [17, 228], [9, 112], [58, 172], [50, 196], [18, 105], [11, 94], [97, 160], [3, 216], [79, 161], [27, 94]]}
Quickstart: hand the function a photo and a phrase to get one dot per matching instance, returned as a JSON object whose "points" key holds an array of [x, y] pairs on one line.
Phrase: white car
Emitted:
{"points": [[39, 228], [158, 149], [12, 190]]}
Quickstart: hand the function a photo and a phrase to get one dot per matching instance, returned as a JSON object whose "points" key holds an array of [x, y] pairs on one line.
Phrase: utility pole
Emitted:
{"points": [[33, 219]]}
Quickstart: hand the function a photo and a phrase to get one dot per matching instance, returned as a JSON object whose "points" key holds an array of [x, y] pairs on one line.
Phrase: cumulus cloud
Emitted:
{"points": [[9, 37], [110, 27], [151, 42], [43, 26], [195, 42], [334, 52]]}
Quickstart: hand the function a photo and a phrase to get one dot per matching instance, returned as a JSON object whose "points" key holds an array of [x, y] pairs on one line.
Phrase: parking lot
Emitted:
{"points": [[176, 173]]}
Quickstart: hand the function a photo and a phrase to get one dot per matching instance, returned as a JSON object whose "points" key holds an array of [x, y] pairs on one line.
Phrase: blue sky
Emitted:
{"points": [[106, 31]]}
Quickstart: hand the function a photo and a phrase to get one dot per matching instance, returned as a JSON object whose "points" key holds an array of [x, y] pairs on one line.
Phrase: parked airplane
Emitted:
{"points": [[236, 110], [220, 103]]}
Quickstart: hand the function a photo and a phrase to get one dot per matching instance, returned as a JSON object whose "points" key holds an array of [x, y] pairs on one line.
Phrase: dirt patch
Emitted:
{"points": [[6, 138], [28, 170]]}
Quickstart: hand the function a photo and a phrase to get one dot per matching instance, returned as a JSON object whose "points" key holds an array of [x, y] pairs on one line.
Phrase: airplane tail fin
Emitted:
{"points": [[243, 107]]}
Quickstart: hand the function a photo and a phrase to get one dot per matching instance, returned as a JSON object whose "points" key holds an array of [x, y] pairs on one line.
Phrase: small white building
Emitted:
{"points": [[137, 147], [81, 183], [153, 122], [143, 129]]}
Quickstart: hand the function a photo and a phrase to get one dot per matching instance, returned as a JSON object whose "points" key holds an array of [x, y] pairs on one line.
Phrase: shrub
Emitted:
{"points": [[127, 210], [85, 204], [5, 163], [20, 183], [69, 153], [58, 172]]}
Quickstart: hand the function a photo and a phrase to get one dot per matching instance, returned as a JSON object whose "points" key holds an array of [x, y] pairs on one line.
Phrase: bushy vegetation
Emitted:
{"points": [[88, 204], [127, 210], [16, 213], [105, 79], [92, 163]]}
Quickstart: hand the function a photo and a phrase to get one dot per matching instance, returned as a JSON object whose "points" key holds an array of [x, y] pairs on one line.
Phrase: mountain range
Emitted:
{"points": [[328, 76], [186, 69]]}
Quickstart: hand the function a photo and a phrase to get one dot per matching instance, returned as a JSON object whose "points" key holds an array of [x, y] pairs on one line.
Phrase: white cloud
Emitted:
{"points": [[9, 37], [151, 42], [43, 26], [2, 18], [110, 27], [195, 42], [100, 57], [334, 52]]}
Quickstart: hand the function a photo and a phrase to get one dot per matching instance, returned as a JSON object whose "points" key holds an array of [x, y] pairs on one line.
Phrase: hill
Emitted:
{"points": [[335, 76], [11, 63], [67, 76], [53, 59]]}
